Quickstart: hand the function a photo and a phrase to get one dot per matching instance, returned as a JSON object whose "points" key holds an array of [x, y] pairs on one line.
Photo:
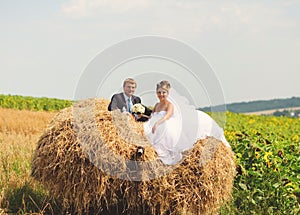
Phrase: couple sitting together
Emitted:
{"points": [[173, 126]]}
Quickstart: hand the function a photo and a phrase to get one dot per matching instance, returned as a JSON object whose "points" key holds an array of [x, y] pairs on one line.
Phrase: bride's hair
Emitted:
{"points": [[164, 85]]}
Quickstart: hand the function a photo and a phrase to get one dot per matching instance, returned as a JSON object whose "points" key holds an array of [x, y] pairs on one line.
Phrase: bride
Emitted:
{"points": [[175, 126]]}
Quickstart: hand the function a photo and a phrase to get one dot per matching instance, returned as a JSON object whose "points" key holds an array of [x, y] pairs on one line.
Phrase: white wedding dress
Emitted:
{"points": [[181, 130]]}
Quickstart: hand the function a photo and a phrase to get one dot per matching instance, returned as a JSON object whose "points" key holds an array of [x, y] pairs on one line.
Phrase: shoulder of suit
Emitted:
{"points": [[117, 94], [136, 97]]}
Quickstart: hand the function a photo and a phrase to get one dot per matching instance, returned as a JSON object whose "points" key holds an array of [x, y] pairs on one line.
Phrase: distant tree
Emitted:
{"points": [[278, 113], [260, 105]]}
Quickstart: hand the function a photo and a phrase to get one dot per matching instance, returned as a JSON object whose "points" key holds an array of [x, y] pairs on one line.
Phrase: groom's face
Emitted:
{"points": [[129, 89]]}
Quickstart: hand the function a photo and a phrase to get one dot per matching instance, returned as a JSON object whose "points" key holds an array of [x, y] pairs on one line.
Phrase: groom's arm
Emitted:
{"points": [[148, 111], [113, 103], [137, 100]]}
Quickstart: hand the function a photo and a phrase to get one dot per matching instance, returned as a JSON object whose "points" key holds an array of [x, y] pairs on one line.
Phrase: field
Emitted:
{"points": [[270, 112], [19, 133], [267, 153], [266, 149]]}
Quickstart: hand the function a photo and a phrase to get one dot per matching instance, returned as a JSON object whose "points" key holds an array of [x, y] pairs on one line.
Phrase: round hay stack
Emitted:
{"points": [[79, 175]]}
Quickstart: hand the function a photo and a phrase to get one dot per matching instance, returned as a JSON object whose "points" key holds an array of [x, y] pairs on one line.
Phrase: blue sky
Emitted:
{"points": [[253, 46]]}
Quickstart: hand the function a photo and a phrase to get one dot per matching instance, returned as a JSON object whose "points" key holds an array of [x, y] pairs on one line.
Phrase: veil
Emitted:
{"points": [[187, 117]]}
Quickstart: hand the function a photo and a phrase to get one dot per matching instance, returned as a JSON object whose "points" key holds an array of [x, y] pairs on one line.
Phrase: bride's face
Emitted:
{"points": [[162, 94]]}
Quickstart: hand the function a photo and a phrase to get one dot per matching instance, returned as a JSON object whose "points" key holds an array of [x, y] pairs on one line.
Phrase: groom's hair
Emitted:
{"points": [[129, 80]]}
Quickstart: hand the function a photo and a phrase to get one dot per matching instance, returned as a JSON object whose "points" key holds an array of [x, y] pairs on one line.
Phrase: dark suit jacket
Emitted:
{"points": [[147, 112], [118, 102]]}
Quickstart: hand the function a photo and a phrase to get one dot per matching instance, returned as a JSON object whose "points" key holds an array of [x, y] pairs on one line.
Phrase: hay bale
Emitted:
{"points": [[72, 161]]}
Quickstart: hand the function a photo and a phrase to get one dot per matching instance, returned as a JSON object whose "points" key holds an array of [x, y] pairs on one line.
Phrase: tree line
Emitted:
{"points": [[260, 105]]}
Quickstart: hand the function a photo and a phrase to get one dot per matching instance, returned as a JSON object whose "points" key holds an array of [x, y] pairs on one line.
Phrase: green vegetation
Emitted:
{"points": [[32, 103], [289, 113], [53, 104], [244, 107], [29, 200], [267, 150]]}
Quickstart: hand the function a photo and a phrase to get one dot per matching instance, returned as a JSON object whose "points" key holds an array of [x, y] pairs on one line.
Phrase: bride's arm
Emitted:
{"points": [[169, 113], [154, 109]]}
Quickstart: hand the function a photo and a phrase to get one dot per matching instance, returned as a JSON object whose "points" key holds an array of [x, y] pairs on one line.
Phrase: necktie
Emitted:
{"points": [[128, 105]]}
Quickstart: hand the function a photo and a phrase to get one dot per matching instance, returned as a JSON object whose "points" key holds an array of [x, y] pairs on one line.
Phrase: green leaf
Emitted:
{"points": [[243, 186]]}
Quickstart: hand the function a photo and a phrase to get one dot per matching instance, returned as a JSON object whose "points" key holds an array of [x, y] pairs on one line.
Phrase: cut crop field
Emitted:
{"points": [[19, 133]]}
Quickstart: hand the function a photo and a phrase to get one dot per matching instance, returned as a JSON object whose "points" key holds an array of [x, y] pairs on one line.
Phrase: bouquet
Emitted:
{"points": [[138, 108]]}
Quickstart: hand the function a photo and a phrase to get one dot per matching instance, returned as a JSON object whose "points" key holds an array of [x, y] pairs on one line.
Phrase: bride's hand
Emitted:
{"points": [[154, 128]]}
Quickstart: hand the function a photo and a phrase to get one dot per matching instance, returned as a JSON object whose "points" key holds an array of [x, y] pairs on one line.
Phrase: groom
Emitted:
{"points": [[125, 100]]}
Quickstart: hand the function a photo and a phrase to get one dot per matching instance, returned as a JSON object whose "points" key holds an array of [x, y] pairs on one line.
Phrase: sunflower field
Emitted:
{"points": [[267, 150], [31, 103]]}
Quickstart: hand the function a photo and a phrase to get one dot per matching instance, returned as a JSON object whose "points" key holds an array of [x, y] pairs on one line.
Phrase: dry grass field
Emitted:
{"points": [[19, 133], [270, 112]]}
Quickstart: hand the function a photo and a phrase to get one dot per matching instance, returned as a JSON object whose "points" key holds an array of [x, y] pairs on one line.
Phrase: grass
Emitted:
{"points": [[19, 132]]}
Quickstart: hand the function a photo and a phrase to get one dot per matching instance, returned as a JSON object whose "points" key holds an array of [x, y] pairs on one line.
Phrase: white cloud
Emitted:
{"points": [[184, 17], [90, 8]]}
